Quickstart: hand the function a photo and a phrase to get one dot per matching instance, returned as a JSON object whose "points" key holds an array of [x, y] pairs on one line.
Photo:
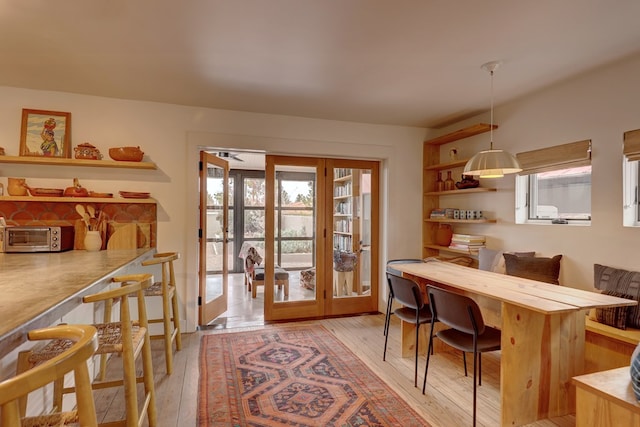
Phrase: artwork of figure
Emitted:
{"points": [[49, 146]]}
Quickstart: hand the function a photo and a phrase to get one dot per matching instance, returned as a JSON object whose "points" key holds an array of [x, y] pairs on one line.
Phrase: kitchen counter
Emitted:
{"points": [[37, 289]]}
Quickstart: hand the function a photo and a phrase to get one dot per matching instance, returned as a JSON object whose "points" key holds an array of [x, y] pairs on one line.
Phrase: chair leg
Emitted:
{"points": [[384, 354], [147, 369], [475, 356], [415, 369], [388, 314], [166, 324], [429, 353], [464, 362], [176, 319], [479, 368]]}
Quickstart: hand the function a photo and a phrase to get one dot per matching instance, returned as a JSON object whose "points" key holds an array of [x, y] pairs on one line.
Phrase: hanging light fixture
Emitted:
{"points": [[492, 163]]}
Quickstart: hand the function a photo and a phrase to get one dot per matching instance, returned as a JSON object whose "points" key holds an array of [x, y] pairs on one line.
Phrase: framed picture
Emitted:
{"points": [[45, 133]]}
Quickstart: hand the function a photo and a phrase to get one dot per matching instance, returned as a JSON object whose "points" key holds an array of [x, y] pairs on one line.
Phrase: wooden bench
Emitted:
{"points": [[607, 347], [606, 399]]}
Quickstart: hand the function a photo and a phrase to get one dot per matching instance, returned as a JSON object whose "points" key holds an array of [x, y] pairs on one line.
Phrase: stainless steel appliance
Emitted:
{"points": [[36, 238]]}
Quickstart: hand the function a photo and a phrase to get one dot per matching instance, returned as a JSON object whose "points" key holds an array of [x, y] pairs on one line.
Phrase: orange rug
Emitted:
{"points": [[292, 376]]}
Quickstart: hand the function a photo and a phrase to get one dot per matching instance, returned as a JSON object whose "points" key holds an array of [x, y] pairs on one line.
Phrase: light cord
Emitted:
{"points": [[491, 122]]}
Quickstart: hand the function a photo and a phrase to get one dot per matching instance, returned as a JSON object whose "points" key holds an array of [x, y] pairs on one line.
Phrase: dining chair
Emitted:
{"points": [[467, 332], [390, 294], [413, 310], [80, 343]]}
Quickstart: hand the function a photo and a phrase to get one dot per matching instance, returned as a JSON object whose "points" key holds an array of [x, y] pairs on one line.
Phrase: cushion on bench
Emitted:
{"points": [[280, 274], [623, 283]]}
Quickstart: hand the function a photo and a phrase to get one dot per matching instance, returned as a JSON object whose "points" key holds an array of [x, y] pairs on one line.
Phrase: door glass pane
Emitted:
{"points": [[214, 232], [295, 220], [351, 232]]}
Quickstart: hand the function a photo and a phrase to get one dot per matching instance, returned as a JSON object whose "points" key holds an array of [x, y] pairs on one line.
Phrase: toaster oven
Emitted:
{"points": [[35, 238]]}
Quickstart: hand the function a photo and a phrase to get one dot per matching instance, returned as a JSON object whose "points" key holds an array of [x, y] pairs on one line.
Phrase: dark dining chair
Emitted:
{"points": [[390, 297], [413, 310], [468, 332]]}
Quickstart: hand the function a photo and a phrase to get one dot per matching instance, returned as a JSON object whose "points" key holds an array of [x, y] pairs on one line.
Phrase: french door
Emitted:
{"points": [[343, 227], [213, 238]]}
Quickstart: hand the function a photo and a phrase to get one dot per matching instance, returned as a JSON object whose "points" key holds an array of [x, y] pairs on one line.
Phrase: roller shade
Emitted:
{"points": [[565, 156], [631, 148]]}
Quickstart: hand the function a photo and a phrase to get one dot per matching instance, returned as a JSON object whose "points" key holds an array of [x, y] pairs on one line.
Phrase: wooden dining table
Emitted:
{"points": [[543, 334]]}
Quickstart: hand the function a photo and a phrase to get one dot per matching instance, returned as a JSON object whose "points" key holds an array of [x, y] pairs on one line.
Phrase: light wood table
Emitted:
{"points": [[606, 399], [543, 330], [37, 289]]}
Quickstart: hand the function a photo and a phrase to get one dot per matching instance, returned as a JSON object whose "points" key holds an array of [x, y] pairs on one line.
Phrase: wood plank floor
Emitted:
{"points": [[447, 402]]}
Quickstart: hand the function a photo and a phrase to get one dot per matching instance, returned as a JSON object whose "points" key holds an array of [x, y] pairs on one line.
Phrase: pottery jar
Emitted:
{"points": [[15, 187], [92, 241], [444, 233]]}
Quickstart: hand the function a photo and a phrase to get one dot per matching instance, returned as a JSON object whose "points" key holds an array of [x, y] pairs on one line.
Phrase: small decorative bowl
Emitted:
{"points": [[126, 154]]}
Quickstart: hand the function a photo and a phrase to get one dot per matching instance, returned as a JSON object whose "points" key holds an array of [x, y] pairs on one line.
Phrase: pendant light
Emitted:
{"points": [[492, 163]]}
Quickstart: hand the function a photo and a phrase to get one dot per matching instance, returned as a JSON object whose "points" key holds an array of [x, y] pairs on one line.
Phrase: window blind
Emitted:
{"points": [[565, 156], [631, 148]]}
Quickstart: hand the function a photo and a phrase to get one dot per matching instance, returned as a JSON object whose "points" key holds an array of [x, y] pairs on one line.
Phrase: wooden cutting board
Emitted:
{"points": [[124, 236]]}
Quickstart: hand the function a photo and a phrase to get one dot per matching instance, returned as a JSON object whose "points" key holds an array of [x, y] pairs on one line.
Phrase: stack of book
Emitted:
{"points": [[442, 213], [467, 242]]}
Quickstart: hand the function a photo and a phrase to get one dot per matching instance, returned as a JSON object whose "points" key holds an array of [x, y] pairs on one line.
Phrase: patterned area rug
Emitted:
{"points": [[292, 376]]}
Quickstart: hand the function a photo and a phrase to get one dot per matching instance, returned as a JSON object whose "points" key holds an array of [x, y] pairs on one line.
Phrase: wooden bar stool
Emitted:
{"points": [[81, 342], [130, 339], [170, 312]]}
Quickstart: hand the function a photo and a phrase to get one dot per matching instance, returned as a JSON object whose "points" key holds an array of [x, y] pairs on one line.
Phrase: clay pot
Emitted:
{"points": [[443, 235], [126, 154], [16, 187]]}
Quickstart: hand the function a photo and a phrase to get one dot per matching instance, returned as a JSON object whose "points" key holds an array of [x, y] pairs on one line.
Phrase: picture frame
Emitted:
{"points": [[45, 133]]}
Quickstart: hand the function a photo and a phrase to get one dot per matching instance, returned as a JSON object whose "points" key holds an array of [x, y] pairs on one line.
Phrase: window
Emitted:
{"points": [[555, 185], [631, 179]]}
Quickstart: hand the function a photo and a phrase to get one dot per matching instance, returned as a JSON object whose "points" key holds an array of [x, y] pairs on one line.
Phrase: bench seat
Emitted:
{"points": [[607, 347]]}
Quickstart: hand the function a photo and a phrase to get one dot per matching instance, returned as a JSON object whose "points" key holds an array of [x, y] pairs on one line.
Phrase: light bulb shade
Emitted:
{"points": [[492, 164]]}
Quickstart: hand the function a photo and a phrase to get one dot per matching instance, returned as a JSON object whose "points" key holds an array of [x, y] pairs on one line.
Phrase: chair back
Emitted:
{"points": [[456, 311], [401, 261], [85, 343], [405, 291]]}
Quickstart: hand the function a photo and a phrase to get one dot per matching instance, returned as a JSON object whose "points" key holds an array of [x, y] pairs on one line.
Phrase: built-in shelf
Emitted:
{"points": [[461, 221], [460, 192], [448, 249], [76, 199], [461, 133], [58, 161], [443, 166]]}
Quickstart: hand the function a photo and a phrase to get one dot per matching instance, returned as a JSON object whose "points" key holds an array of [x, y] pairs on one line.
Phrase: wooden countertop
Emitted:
{"points": [[37, 289], [537, 296]]}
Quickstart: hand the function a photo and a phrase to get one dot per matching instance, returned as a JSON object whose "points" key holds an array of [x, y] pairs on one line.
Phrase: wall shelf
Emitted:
{"points": [[460, 192], [461, 133], [58, 161], [460, 221], [75, 199], [448, 249]]}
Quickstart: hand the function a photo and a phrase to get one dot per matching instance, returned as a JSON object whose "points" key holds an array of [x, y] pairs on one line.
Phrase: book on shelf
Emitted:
{"points": [[468, 238]]}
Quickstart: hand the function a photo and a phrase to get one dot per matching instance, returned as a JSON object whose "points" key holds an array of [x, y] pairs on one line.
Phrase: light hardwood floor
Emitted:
{"points": [[447, 402]]}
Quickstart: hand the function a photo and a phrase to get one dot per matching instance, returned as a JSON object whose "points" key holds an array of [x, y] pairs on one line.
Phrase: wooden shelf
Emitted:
{"points": [[461, 221], [75, 199], [448, 249], [450, 165], [461, 133], [460, 192], [58, 161]]}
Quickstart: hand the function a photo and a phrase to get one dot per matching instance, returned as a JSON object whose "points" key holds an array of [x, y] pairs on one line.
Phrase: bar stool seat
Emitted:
{"points": [[130, 339], [80, 344], [166, 289]]}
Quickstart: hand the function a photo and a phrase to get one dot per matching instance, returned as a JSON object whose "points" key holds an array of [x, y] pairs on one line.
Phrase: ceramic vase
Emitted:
{"points": [[92, 241], [443, 235], [15, 187], [635, 372]]}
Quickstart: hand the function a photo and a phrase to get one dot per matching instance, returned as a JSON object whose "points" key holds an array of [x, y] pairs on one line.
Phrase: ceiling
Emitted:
{"points": [[397, 62]]}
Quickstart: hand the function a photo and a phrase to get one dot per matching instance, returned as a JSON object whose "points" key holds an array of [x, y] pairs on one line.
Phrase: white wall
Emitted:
{"points": [[170, 136], [600, 106]]}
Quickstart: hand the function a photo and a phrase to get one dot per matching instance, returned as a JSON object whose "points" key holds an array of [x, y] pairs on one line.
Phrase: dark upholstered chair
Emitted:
{"points": [[468, 332], [391, 270], [413, 310]]}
